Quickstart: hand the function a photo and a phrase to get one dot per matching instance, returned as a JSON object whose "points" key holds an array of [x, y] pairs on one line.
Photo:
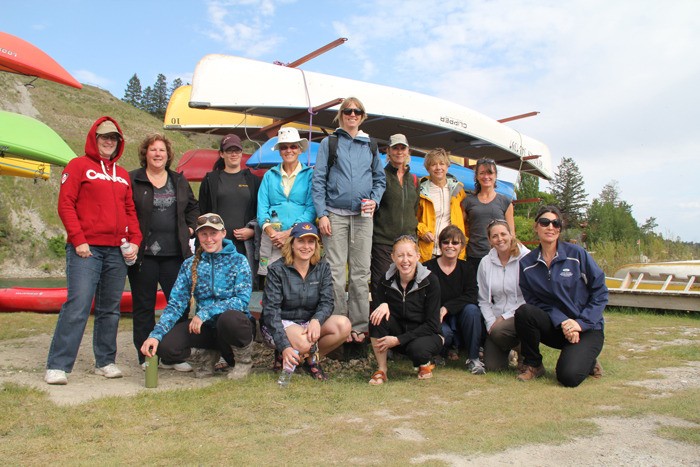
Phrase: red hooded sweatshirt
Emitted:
{"points": [[95, 202]]}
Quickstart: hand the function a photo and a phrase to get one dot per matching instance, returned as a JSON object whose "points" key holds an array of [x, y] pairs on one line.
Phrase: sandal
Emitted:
{"points": [[357, 336], [221, 365], [452, 355], [277, 363], [378, 378], [315, 370], [426, 371], [597, 371]]}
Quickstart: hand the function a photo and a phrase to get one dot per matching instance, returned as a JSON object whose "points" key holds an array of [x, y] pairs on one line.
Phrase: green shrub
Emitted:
{"points": [[57, 246]]}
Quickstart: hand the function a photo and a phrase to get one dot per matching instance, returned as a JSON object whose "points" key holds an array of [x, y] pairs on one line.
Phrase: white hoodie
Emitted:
{"points": [[499, 290]]}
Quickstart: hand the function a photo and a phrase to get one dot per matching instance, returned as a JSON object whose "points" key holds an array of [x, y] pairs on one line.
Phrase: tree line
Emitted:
{"points": [[153, 99], [606, 226]]}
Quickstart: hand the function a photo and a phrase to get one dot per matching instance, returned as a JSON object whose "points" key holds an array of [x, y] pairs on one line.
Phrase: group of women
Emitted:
{"points": [[427, 300]]}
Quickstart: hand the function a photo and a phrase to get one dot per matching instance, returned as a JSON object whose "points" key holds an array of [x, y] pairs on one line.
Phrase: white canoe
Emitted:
{"points": [[248, 86]]}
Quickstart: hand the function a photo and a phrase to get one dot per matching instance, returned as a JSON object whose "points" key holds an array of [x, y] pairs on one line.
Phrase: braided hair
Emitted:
{"points": [[195, 273]]}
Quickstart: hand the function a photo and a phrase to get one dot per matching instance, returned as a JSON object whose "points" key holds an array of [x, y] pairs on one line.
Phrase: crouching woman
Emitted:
{"points": [[219, 280], [298, 303], [408, 317]]}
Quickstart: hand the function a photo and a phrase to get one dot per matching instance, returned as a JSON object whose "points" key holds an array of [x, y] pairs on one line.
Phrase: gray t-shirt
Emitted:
{"points": [[478, 215]]}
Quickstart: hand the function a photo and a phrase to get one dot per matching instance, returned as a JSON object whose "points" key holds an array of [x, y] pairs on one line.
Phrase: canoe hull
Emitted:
{"points": [[15, 299], [27, 138], [16, 167]]}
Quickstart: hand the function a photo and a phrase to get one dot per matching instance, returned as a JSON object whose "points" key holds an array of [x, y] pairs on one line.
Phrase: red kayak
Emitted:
{"points": [[50, 300], [196, 163], [19, 56]]}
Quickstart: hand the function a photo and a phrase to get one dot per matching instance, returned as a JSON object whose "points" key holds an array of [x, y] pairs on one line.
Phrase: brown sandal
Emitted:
{"points": [[426, 371], [597, 371], [378, 378]]}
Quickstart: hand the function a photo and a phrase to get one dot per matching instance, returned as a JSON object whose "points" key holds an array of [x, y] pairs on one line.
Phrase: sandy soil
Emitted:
{"points": [[621, 441]]}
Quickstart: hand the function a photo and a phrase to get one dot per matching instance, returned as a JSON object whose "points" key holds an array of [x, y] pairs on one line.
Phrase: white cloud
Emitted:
{"points": [[89, 77]]}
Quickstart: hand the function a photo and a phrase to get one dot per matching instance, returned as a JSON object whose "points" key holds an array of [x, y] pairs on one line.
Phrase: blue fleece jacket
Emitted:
{"points": [[573, 287], [292, 209], [224, 283]]}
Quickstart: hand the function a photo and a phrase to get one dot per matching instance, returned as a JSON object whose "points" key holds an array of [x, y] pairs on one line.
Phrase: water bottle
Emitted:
{"points": [[286, 374], [152, 372], [126, 249], [275, 221]]}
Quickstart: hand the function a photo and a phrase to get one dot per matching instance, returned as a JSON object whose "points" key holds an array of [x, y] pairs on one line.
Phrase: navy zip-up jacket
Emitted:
{"points": [[573, 287]]}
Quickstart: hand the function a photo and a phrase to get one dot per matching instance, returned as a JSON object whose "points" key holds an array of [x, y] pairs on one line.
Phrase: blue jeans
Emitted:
{"points": [[464, 330], [102, 277]]}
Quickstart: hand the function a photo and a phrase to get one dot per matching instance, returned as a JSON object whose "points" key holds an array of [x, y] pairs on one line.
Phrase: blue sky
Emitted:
{"points": [[617, 83]]}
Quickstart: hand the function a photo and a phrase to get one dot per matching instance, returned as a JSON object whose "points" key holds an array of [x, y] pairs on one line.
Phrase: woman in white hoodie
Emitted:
{"points": [[499, 293]]}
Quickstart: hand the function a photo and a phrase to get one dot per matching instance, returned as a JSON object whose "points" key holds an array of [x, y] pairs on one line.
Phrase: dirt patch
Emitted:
{"points": [[621, 441], [671, 380]]}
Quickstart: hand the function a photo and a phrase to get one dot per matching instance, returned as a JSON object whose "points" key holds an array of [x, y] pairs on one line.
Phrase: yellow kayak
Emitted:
{"points": [[16, 167]]}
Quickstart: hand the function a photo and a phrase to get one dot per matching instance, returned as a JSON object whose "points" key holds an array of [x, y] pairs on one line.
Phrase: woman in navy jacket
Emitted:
{"points": [[565, 295]]}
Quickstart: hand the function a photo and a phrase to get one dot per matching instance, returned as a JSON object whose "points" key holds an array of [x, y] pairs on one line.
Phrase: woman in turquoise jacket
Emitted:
{"points": [[285, 191]]}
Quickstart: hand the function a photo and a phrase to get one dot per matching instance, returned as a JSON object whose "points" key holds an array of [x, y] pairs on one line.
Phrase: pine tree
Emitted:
{"points": [[528, 187], [177, 82], [160, 96], [568, 188], [610, 218], [132, 94], [147, 100]]}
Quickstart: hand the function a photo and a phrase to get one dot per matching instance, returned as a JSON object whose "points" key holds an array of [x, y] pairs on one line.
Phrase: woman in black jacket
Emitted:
{"points": [[167, 211], [408, 317]]}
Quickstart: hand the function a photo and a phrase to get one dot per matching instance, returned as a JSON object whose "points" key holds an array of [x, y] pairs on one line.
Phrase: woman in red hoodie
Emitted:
{"points": [[97, 209]]}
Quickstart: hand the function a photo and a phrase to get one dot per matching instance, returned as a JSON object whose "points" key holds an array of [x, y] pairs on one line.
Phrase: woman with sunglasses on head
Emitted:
{"points": [[232, 192], [219, 280], [298, 303], [408, 317], [481, 208], [167, 213], [285, 192], [499, 293], [460, 315], [439, 205], [96, 207], [347, 186], [565, 295]]}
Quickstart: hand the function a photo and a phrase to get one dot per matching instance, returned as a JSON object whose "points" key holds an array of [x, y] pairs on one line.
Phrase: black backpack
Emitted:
{"points": [[333, 150]]}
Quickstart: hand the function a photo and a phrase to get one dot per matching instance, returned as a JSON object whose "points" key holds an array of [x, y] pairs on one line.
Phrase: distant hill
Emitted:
{"points": [[31, 234]]}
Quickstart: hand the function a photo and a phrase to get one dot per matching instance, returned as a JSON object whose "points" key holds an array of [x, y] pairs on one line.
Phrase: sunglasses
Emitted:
{"points": [[401, 238], [359, 112], [498, 221], [233, 151], [485, 161], [284, 147], [451, 242], [214, 219], [544, 222], [109, 137]]}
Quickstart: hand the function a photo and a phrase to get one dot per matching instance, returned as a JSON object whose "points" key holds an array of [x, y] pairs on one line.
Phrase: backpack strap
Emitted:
{"points": [[333, 150]]}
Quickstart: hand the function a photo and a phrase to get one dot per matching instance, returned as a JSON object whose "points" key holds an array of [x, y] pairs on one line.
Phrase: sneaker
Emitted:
{"points": [[109, 371], [531, 372], [182, 367], [475, 367], [56, 377], [426, 371]]}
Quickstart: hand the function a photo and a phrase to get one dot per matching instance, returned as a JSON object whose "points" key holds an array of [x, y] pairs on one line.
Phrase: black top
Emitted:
{"points": [[457, 289]]}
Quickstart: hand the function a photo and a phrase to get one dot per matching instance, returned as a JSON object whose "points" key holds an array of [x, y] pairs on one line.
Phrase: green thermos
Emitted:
{"points": [[152, 372]]}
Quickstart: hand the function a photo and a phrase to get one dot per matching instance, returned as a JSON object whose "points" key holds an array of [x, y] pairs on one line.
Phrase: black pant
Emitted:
{"points": [[420, 350], [231, 328], [575, 360], [381, 260], [144, 280]]}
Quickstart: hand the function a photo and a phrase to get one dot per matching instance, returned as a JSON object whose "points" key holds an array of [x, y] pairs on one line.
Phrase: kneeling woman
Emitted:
{"points": [[298, 303], [565, 296], [408, 317], [219, 279]]}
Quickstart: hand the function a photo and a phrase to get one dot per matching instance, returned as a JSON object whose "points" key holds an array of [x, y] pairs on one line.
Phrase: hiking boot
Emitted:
{"points": [[531, 372], [475, 367], [203, 361], [56, 377], [597, 371], [244, 361], [182, 367], [109, 371]]}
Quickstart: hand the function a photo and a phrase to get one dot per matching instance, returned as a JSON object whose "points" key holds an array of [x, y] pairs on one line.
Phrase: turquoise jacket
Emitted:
{"points": [[224, 283], [292, 209]]}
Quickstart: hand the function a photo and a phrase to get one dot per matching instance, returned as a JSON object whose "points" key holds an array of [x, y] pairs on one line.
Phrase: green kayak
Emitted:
{"points": [[28, 138]]}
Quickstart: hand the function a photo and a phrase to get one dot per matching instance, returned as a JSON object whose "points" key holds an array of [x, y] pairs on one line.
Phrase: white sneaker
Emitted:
{"points": [[476, 367], [109, 371], [56, 377], [182, 367]]}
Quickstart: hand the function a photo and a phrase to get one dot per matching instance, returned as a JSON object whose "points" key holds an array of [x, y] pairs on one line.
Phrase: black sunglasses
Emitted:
{"points": [[405, 237], [544, 222], [290, 146], [356, 111], [214, 219], [451, 242]]}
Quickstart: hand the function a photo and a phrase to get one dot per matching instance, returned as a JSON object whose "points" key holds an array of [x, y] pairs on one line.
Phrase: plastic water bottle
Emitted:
{"points": [[275, 221], [126, 249], [286, 374], [152, 372]]}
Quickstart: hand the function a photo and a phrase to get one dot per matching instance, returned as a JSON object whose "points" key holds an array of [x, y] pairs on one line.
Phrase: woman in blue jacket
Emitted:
{"points": [[285, 191], [565, 295], [219, 279]]}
